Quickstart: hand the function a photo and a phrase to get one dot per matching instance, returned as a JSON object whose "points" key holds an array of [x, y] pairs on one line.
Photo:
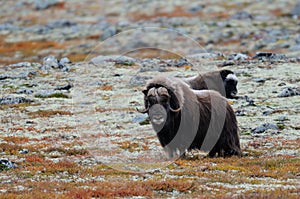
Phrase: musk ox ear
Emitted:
{"points": [[224, 73], [145, 91]]}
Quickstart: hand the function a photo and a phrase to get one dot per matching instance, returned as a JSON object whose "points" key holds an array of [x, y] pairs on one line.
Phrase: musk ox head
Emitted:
{"points": [[160, 104], [230, 83]]}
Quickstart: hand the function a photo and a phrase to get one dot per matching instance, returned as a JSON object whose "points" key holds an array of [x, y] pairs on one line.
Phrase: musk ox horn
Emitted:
{"points": [[151, 92], [175, 110], [143, 111], [163, 91]]}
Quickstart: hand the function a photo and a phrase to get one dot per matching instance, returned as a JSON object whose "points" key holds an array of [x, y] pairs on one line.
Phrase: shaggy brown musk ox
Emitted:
{"points": [[223, 81], [186, 119]]}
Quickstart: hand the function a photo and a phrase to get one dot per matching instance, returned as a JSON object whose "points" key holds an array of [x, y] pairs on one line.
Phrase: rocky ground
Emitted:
{"points": [[69, 92]]}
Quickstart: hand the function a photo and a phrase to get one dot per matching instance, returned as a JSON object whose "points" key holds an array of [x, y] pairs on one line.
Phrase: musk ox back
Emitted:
{"points": [[223, 81], [186, 119]]}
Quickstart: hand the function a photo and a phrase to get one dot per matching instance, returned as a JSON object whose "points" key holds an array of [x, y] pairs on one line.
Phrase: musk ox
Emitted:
{"points": [[186, 119], [223, 81]]}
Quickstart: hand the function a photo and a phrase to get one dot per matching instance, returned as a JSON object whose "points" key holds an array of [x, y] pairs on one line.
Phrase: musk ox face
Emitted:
{"points": [[230, 84], [230, 81], [160, 105]]}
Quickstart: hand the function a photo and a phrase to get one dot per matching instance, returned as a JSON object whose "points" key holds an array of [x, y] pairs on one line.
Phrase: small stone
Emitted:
{"points": [[295, 48], [238, 57], [62, 23], [13, 100], [108, 32], [140, 118], [282, 84], [3, 77], [264, 127], [296, 9], [282, 118], [67, 87], [241, 113], [266, 113], [242, 15], [182, 62], [44, 4], [50, 62], [8, 27], [259, 79], [138, 80], [287, 92], [23, 151], [6, 164], [226, 63], [270, 56], [24, 91], [111, 58], [62, 63], [196, 8], [20, 65], [249, 100]]}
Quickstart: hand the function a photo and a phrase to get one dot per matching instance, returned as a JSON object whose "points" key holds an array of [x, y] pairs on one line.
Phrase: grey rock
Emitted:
{"points": [[226, 63], [270, 56], [138, 80], [37, 29], [249, 100], [24, 91], [202, 56], [238, 57], [182, 62], [282, 118], [67, 87], [196, 8], [287, 92], [295, 48], [111, 58], [140, 118], [6, 164], [241, 113], [44, 4], [49, 62], [107, 33], [3, 77], [62, 64], [8, 27], [64, 61], [47, 93], [296, 9], [242, 15], [264, 127], [297, 40], [20, 64], [62, 23], [259, 79], [13, 100], [23, 151]]}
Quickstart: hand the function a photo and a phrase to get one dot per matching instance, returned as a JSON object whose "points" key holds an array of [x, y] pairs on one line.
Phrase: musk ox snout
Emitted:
{"points": [[158, 116]]}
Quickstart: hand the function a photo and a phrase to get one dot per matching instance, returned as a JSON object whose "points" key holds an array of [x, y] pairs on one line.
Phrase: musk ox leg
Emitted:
{"points": [[213, 152]]}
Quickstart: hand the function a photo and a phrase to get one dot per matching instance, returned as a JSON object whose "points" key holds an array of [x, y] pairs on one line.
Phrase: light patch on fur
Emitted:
{"points": [[232, 76], [171, 83], [188, 79]]}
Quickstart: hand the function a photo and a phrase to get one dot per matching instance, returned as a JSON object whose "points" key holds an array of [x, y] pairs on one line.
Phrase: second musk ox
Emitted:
{"points": [[186, 119], [223, 81]]}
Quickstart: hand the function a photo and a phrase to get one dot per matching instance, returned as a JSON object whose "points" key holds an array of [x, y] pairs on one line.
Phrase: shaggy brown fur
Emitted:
{"points": [[205, 121], [223, 81]]}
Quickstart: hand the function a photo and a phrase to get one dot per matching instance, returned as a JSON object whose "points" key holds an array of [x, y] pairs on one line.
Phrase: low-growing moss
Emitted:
{"points": [[54, 95]]}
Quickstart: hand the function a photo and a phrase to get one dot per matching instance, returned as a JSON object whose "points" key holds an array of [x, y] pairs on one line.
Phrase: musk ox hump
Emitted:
{"points": [[172, 85]]}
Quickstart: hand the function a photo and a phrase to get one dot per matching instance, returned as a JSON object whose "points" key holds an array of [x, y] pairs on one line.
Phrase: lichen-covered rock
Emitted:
{"points": [[13, 100], [264, 127]]}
